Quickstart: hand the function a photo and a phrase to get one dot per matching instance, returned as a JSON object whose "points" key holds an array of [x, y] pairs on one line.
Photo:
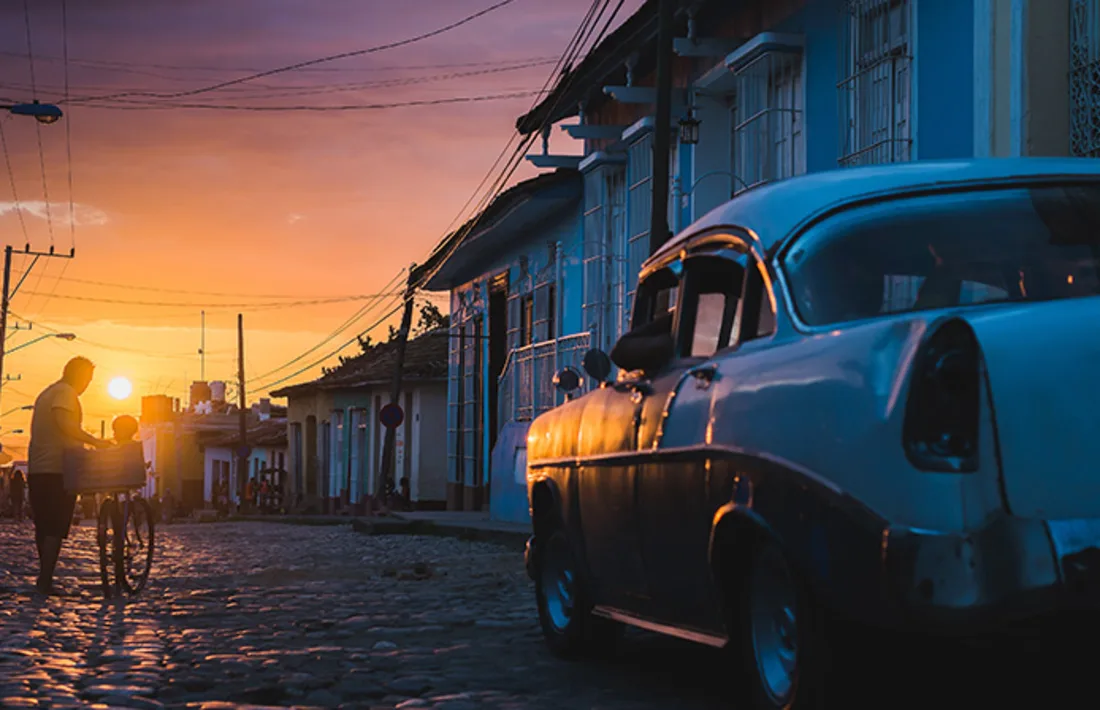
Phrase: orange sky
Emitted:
{"points": [[306, 204]]}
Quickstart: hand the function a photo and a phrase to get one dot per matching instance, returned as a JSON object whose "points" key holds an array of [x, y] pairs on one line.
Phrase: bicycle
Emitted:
{"points": [[125, 521]]}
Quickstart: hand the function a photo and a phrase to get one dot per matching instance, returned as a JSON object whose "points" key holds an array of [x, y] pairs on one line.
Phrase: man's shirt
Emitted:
{"points": [[48, 442]]}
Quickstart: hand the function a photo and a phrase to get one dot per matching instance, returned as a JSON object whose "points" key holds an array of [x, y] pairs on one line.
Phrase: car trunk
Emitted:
{"points": [[1043, 361]]}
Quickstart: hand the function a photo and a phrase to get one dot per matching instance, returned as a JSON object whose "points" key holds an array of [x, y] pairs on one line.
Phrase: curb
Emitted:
{"points": [[391, 526]]}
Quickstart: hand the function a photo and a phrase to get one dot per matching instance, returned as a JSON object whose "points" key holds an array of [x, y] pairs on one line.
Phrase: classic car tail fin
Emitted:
{"points": [[943, 413]]}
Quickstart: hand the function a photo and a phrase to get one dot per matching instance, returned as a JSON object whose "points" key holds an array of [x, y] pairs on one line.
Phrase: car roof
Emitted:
{"points": [[774, 210]]}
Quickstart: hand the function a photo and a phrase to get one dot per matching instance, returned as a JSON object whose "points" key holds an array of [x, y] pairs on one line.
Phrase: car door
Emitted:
{"points": [[676, 486], [608, 471]]}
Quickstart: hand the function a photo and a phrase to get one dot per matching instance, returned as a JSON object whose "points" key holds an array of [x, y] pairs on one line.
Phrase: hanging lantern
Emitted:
{"points": [[689, 128]]}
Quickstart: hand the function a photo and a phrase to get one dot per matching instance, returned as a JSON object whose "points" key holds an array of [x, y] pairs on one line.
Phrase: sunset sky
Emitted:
{"points": [[174, 205]]}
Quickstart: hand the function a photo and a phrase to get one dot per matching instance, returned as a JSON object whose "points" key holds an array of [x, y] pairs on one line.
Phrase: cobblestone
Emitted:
{"points": [[255, 615]]}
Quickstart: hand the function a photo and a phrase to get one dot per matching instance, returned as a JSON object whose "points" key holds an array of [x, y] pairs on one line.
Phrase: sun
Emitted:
{"points": [[120, 388]]}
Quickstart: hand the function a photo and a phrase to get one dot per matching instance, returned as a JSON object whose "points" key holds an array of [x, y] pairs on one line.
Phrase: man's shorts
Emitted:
{"points": [[53, 506]]}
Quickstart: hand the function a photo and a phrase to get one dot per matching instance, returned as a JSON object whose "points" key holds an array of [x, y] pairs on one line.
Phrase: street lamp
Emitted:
{"points": [[43, 113], [13, 431], [25, 408], [689, 128], [63, 336]]}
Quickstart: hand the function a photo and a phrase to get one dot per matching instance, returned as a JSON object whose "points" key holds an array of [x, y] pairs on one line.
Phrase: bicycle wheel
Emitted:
{"points": [[136, 556], [107, 533]]}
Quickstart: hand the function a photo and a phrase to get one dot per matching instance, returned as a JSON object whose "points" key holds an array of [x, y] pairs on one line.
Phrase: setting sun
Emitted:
{"points": [[120, 388]]}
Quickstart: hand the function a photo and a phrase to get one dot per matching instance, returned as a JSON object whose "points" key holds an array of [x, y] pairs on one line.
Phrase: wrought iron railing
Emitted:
{"points": [[526, 385]]}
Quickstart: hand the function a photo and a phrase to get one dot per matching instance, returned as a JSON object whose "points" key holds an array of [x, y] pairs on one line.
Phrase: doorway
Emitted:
{"points": [[498, 353]]}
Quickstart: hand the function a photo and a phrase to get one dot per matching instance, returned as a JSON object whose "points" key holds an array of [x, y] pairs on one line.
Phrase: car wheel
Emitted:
{"points": [[781, 636], [565, 611]]}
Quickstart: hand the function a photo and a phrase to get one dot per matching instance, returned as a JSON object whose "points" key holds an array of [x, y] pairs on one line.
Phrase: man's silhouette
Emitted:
{"points": [[56, 427]]}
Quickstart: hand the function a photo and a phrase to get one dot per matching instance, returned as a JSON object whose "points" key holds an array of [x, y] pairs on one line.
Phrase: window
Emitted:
{"points": [[1084, 78], [712, 289], [767, 119], [937, 252], [656, 296], [526, 320], [874, 91]]}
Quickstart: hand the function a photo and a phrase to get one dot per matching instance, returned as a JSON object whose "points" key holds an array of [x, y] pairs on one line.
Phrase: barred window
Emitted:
{"points": [[874, 91], [767, 119], [1084, 78]]}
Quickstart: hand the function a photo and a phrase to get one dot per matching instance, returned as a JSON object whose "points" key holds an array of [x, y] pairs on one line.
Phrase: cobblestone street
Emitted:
{"points": [[270, 614]]}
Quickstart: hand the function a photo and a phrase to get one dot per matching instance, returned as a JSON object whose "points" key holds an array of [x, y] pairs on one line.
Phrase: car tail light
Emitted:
{"points": [[943, 414]]}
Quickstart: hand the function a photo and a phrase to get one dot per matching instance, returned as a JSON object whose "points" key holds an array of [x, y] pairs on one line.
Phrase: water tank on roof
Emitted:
{"points": [[217, 391], [200, 392]]}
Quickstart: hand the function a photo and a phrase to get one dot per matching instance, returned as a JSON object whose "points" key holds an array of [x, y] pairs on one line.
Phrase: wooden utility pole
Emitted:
{"points": [[387, 472], [5, 298], [4, 311], [658, 223], [242, 415]]}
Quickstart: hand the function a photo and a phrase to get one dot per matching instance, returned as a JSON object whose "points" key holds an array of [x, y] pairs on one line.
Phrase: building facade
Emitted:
{"points": [[335, 438], [763, 91]]}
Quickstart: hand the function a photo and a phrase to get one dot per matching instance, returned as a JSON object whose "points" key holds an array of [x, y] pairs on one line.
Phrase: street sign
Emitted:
{"points": [[244, 451], [391, 415]]}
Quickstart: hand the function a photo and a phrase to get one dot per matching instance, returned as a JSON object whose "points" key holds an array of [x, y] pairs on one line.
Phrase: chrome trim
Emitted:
{"points": [[623, 617], [702, 449]]}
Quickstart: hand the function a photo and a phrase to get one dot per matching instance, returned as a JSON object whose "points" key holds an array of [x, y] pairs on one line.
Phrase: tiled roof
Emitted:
{"points": [[425, 359], [267, 434]]}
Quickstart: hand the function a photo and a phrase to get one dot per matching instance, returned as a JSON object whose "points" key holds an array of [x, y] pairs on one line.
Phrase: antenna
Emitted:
{"points": [[202, 350]]}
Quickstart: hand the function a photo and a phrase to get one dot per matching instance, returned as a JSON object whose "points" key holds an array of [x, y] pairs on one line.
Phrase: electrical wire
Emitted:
{"points": [[180, 304], [313, 364], [311, 62], [264, 91], [37, 125], [126, 105], [189, 292], [355, 317], [14, 191]]}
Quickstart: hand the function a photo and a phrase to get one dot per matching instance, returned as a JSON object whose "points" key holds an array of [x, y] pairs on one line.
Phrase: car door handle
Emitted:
{"points": [[703, 375]]}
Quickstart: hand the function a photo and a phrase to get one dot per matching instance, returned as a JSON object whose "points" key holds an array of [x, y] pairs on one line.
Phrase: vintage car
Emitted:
{"points": [[861, 396]]}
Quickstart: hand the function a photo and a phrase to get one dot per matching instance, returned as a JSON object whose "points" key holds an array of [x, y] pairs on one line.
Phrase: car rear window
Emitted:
{"points": [[965, 248]]}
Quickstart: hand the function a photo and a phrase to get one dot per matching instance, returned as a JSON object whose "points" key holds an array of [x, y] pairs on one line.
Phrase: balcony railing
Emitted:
{"points": [[526, 385]]}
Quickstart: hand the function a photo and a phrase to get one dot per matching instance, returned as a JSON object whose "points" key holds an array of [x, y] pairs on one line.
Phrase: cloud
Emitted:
{"points": [[294, 218], [82, 215]]}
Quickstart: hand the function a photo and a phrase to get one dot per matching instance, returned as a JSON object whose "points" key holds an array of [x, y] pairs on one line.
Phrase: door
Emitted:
{"points": [[608, 476], [675, 482]]}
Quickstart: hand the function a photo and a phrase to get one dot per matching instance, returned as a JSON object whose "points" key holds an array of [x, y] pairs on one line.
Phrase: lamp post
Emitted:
{"points": [[43, 113], [63, 336]]}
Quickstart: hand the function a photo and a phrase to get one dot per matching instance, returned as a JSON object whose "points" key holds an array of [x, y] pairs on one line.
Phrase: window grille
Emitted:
{"points": [[639, 199], [604, 253], [767, 119], [1084, 78], [874, 92]]}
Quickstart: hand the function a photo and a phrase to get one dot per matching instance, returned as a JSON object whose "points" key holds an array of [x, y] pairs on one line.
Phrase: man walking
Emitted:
{"points": [[55, 427]]}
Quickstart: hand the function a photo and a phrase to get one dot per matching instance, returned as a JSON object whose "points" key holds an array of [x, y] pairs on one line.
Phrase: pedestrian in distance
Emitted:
{"points": [[56, 428]]}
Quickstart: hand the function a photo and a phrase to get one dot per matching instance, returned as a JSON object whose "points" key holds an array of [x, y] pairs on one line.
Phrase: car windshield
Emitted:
{"points": [[948, 250]]}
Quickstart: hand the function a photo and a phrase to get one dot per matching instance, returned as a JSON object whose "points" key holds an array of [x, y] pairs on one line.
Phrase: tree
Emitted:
{"points": [[431, 318]]}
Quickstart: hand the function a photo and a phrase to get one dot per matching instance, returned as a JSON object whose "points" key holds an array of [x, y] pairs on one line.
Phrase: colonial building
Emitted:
{"points": [[335, 436], [267, 445], [764, 90]]}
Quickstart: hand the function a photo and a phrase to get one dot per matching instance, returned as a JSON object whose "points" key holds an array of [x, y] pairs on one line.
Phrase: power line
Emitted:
{"points": [[313, 364], [14, 191], [312, 62], [189, 292], [158, 106], [180, 304], [37, 125], [308, 89], [355, 317]]}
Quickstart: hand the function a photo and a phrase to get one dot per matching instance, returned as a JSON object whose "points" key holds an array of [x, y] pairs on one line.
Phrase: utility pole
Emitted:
{"points": [[387, 472], [658, 223], [4, 309], [202, 350], [242, 450]]}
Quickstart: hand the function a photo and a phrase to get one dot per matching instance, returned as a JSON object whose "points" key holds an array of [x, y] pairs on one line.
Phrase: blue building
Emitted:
{"points": [[764, 90]]}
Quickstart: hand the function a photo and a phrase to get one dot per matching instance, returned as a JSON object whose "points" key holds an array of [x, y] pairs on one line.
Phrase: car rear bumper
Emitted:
{"points": [[1012, 568]]}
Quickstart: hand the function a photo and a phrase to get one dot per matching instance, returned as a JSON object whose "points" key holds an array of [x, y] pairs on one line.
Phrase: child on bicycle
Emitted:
{"points": [[125, 428]]}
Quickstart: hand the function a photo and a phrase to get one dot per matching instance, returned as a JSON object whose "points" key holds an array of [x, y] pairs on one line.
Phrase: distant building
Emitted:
{"points": [[335, 437], [267, 441], [174, 440]]}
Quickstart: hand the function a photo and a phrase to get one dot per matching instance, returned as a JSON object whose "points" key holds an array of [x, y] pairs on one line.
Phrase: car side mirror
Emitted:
{"points": [[597, 364], [567, 380], [644, 350]]}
